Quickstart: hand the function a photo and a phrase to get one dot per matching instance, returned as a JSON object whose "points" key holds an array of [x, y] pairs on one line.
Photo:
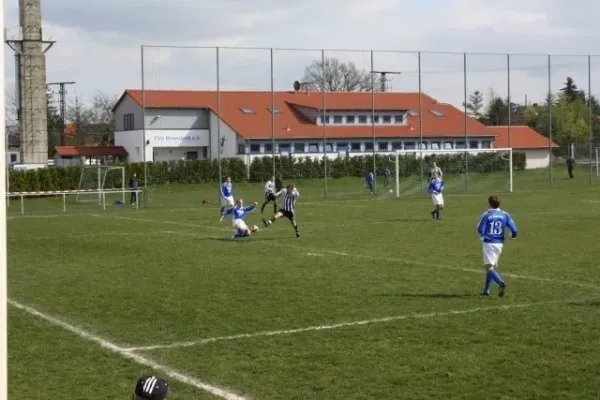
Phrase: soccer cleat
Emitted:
{"points": [[234, 236], [484, 293], [265, 222], [432, 215], [502, 289], [297, 234]]}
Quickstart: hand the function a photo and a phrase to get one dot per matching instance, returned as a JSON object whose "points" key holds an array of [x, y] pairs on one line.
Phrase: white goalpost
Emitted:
{"points": [[94, 179], [505, 154]]}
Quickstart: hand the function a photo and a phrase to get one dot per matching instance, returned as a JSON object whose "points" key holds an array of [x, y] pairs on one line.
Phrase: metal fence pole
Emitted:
{"points": [[550, 116], [591, 149], [144, 145], [324, 119], [272, 114], [466, 121], [420, 111], [509, 100], [219, 120], [373, 121]]}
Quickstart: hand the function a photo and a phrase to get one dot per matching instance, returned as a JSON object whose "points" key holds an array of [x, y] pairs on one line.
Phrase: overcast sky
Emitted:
{"points": [[98, 42]]}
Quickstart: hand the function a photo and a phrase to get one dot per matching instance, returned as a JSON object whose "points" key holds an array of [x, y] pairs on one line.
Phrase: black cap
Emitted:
{"points": [[152, 388]]}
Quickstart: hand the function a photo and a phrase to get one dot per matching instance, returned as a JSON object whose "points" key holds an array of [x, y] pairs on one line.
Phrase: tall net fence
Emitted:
{"points": [[286, 112]]}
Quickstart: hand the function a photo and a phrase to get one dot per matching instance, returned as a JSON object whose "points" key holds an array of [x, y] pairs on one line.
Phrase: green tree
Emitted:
{"points": [[475, 105], [571, 91]]}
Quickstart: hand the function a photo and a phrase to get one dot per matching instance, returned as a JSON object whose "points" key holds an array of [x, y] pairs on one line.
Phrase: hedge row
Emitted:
{"points": [[201, 171]]}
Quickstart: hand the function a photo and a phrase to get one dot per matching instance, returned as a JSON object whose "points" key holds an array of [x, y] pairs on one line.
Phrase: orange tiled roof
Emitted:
{"points": [[292, 124], [521, 137], [90, 151]]}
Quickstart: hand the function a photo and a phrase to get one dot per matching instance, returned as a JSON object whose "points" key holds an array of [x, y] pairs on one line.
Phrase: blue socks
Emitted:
{"points": [[492, 276]]}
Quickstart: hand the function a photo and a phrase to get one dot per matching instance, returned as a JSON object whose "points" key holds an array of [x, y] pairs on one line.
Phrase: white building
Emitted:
{"points": [[188, 124]]}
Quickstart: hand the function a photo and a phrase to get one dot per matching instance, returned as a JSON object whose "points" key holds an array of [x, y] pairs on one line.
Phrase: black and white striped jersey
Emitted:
{"points": [[290, 200]]}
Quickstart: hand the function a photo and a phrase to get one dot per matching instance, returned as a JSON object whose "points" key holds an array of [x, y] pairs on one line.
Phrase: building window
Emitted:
{"points": [[486, 144], [274, 110], [338, 119], [387, 119], [355, 146], [13, 158], [241, 149], [128, 122], [473, 144], [448, 146], [461, 145], [325, 119], [376, 119], [399, 119], [362, 119], [396, 145], [313, 147], [383, 146], [269, 148], [329, 147], [284, 148], [255, 148], [423, 146], [350, 119], [298, 147], [435, 145], [409, 145], [191, 155], [343, 146], [368, 146]]}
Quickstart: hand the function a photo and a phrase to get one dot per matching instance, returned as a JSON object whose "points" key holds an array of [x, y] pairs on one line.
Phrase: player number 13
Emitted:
{"points": [[495, 228]]}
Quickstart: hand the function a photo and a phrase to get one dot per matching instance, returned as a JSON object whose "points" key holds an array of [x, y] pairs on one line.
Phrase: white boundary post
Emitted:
{"points": [[597, 163], [64, 199], [510, 171], [22, 205]]}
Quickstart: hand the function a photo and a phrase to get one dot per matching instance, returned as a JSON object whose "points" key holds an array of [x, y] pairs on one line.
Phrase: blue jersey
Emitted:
{"points": [[226, 189], [369, 177], [133, 183], [238, 212], [386, 173], [435, 186], [492, 225]]}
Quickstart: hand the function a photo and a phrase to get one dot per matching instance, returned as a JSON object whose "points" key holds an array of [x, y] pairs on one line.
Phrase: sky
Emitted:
{"points": [[99, 44]]}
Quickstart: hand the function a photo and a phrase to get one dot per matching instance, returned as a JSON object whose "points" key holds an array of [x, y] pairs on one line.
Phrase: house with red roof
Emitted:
{"points": [[165, 125]]}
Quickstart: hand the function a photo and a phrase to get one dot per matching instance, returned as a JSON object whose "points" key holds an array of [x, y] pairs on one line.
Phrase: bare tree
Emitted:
{"points": [[339, 77], [11, 117], [96, 122]]}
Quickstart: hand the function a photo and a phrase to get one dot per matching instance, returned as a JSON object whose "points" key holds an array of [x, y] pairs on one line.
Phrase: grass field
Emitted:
{"points": [[374, 301]]}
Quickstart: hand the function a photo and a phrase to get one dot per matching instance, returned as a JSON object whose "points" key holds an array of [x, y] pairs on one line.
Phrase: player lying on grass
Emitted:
{"points": [[287, 209], [239, 225], [436, 186], [491, 229]]}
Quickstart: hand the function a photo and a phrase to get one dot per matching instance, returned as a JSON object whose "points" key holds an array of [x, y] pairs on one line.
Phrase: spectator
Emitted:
{"points": [[133, 184], [151, 388], [570, 166]]}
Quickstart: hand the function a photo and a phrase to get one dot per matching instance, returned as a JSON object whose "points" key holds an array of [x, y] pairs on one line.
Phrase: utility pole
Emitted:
{"points": [[383, 77], [62, 92]]}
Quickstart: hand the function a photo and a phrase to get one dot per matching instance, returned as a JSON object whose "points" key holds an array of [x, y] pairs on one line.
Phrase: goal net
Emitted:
{"points": [[101, 180], [463, 170]]}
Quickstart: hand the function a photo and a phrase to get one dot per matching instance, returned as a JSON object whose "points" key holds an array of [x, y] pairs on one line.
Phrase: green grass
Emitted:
{"points": [[169, 274]]}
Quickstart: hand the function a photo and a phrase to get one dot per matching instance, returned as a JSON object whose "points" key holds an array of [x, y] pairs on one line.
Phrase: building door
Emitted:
{"points": [[205, 152], [191, 155]]}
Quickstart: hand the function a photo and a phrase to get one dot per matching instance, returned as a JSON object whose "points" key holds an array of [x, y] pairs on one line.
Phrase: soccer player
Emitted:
{"points": [[435, 170], [370, 179], [270, 195], [226, 194], [239, 212], [133, 184], [287, 209], [436, 186], [386, 177], [491, 229]]}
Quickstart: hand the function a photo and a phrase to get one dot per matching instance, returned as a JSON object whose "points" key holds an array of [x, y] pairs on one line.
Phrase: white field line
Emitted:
{"points": [[92, 235], [364, 256], [130, 354], [345, 325]]}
